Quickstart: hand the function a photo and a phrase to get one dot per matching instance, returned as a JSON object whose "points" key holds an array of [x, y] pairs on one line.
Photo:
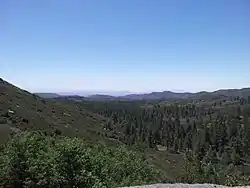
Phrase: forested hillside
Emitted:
{"points": [[214, 135]]}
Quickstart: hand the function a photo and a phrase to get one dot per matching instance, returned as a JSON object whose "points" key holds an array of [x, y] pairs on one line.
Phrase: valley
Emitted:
{"points": [[202, 138]]}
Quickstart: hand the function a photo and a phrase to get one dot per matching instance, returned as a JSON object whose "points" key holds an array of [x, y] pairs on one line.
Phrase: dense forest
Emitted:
{"points": [[213, 135]]}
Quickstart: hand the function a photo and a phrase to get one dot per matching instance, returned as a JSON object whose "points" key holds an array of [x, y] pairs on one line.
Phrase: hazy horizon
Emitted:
{"points": [[86, 93], [124, 93], [115, 92], [134, 46]]}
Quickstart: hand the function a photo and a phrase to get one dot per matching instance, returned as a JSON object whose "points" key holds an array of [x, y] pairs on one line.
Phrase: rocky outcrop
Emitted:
{"points": [[180, 185]]}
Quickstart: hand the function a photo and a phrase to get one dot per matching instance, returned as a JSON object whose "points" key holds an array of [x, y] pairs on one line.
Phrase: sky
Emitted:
{"points": [[125, 45]]}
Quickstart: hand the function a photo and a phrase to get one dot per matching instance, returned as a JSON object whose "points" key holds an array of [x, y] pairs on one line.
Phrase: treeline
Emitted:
{"points": [[217, 133]]}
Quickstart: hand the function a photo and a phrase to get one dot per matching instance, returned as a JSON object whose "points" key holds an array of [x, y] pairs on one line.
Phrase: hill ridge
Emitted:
{"points": [[21, 110]]}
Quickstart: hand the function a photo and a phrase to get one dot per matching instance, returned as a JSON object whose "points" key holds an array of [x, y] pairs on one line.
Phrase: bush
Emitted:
{"points": [[35, 160], [194, 171]]}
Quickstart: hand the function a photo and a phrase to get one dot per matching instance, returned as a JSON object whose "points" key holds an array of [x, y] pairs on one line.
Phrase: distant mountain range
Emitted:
{"points": [[165, 95], [95, 92]]}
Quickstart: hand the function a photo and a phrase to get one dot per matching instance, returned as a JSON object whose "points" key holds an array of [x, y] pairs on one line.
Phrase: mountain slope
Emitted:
{"points": [[20, 110]]}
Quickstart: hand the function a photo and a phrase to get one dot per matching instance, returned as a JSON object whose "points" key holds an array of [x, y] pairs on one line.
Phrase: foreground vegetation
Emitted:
{"points": [[33, 159], [36, 160]]}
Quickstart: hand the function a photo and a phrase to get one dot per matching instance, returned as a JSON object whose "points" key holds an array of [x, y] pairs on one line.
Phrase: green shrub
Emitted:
{"points": [[194, 171], [35, 160], [236, 179]]}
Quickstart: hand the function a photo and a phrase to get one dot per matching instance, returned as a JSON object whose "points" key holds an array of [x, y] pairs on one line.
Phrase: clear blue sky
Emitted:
{"points": [[132, 45]]}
